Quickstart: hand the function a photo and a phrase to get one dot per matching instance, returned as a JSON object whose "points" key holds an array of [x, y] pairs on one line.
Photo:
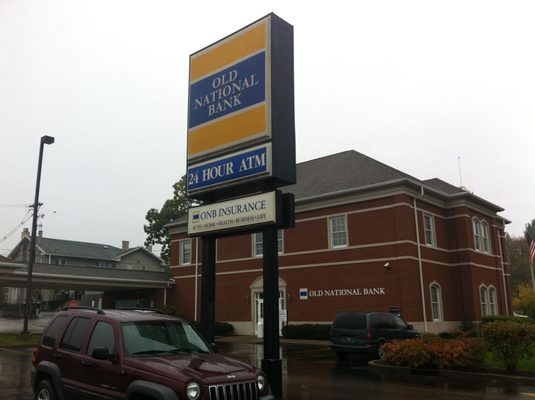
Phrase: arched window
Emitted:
{"points": [[436, 302], [476, 224], [484, 296], [485, 239], [493, 309]]}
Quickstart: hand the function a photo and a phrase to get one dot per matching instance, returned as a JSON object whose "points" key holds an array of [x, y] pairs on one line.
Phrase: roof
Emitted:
{"points": [[339, 172], [442, 186], [70, 248]]}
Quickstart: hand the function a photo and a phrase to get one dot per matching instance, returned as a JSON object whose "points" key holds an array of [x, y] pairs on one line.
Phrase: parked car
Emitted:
{"points": [[358, 332], [89, 353]]}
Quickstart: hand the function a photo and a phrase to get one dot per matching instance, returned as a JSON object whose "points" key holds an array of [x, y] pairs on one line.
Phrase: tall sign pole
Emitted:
{"points": [[241, 150]]}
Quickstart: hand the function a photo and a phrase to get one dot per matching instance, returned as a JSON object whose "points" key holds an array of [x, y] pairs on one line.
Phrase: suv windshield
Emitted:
{"points": [[161, 337]]}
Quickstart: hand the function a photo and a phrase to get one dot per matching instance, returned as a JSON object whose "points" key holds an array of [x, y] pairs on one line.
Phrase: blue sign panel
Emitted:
{"points": [[234, 167], [227, 91]]}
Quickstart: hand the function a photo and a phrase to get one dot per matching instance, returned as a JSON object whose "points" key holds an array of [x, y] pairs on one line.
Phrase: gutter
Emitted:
{"points": [[420, 270]]}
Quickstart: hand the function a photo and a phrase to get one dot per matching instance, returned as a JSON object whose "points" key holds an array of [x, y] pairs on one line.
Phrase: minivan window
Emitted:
{"points": [[383, 321], [75, 334], [54, 330], [401, 324], [350, 321]]}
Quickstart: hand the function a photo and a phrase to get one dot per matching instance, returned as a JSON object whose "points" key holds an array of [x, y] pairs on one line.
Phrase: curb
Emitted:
{"points": [[384, 370]]}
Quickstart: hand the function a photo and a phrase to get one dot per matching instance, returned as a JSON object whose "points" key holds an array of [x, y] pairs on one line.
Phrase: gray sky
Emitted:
{"points": [[413, 84]]}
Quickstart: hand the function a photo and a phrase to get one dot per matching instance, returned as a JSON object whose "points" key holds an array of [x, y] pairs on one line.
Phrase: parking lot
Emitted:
{"points": [[309, 372]]}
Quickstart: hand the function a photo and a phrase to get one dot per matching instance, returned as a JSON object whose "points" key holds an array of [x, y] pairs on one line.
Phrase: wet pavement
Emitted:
{"points": [[310, 372]]}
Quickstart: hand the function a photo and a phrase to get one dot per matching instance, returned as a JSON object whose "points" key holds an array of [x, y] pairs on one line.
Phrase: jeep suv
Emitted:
{"points": [[356, 332], [89, 353]]}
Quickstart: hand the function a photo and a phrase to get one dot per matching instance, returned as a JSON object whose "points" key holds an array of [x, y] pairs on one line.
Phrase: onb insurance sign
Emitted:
{"points": [[252, 211]]}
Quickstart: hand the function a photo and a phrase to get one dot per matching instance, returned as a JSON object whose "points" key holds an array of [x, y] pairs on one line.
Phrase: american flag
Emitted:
{"points": [[531, 245]]}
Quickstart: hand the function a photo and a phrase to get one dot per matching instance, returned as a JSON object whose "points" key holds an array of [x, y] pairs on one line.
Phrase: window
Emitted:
{"points": [[258, 243], [54, 330], [492, 301], [75, 334], [484, 295], [485, 237], [436, 302], [61, 261], [477, 234], [185, 252], [102, 337], [338, 232], [429, 230]]}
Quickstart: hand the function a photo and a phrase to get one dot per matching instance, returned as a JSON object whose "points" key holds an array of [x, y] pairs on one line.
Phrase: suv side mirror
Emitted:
{"points": [[410, 326], [101, 353], [213, 346]]}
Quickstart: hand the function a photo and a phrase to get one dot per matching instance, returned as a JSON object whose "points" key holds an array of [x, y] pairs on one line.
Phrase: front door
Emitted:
{"points": [[259, 311]]}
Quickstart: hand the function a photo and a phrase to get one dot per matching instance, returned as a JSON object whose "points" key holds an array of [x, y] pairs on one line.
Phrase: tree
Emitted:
{"points": [[519, 262], [530, 228], [171, 210], [524, 301]]}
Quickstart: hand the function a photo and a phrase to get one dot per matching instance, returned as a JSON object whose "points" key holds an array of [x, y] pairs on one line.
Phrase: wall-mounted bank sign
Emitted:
{"points": [[305, 293], [253, 211], [241, 101]]}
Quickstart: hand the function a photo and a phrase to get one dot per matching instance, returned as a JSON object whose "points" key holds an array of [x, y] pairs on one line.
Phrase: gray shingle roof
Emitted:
{"points": [[69, 248], [442, 186], [342, 171]]}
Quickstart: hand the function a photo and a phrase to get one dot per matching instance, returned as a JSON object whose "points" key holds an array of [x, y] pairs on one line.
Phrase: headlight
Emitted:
{"points": [[261, 383], [193, 391]]}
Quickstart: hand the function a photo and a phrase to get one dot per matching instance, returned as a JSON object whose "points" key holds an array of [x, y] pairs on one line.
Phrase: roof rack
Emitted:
{"points": [[154, 310], [98, 310]]}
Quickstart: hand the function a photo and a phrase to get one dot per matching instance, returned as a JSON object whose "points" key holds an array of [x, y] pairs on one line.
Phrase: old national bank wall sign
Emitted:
{"points": [[241, 135]]}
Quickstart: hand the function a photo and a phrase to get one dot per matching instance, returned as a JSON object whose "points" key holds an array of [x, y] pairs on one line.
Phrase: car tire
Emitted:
{"points": [[45, 391]]}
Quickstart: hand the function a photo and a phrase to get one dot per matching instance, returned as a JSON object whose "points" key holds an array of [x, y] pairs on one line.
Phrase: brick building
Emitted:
{"points": [[367, 238]]}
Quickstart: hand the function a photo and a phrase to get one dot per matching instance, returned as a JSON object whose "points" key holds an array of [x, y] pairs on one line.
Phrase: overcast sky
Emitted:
{"points": [[413, 84]]}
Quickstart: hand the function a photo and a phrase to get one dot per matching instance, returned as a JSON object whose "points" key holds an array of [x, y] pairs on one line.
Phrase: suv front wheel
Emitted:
{"points": [[45, 391]]}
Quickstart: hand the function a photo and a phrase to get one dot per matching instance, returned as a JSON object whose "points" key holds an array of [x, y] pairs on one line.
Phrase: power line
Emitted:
{"points": [[24, 220]]}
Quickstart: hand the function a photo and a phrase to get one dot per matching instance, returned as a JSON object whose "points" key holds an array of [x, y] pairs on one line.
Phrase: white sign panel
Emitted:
{"points": [[260, 209]]}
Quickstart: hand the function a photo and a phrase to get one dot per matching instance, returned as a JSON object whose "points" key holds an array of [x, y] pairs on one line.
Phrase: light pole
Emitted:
{"points": [[44, 140]]}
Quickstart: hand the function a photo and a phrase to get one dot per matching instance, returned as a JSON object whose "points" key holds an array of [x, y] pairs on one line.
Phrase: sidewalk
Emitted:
{"points": [[14, 326]]}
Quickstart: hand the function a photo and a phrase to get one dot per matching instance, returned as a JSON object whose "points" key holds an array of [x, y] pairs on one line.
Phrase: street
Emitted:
{"points": [[310, 372]]}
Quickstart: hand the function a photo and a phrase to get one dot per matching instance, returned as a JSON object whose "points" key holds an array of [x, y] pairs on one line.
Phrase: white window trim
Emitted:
{"points": [[440, 302], [485, 234], [253, 243], [181, 252], [477, 237], [433, 230], [495, 304], [329, 219], [484, 301]]}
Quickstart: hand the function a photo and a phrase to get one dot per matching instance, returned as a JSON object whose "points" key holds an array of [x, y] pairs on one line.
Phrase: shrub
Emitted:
{"points": [[223, 329], [506, 318], [170, 309], [433, 352], [307, 331], [510, 341]]}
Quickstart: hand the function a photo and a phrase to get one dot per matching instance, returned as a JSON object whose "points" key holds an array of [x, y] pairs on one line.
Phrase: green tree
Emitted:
{"points": [[524, 300], [530, 228], [171, 210], [519, 262]]}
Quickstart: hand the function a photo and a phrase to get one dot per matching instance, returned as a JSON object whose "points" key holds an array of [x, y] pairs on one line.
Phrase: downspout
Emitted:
{"points": [[420, 256], [503, 274], [196, 274]]}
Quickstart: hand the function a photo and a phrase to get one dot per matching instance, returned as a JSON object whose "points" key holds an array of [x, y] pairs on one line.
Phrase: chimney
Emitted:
{"points": [[126, 245], [149, 247], [25, 232]]}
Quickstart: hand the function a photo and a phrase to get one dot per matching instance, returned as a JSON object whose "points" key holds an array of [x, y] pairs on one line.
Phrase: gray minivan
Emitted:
{"points": [[358, 332]]}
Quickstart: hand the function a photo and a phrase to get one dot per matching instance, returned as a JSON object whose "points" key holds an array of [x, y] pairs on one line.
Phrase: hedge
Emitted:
{"points": [[503, 318], [307, 331]]}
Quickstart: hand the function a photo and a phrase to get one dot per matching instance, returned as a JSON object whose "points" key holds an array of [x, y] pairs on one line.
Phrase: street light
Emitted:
{"points": [[44, 140]]}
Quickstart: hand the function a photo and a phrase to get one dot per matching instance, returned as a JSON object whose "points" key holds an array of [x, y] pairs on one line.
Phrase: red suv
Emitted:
{"points": [[89, 353]]}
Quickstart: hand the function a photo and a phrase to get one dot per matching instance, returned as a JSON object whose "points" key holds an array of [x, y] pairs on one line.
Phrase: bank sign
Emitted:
{"points": [[305, 293], [232, 86], [253, 211]]}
